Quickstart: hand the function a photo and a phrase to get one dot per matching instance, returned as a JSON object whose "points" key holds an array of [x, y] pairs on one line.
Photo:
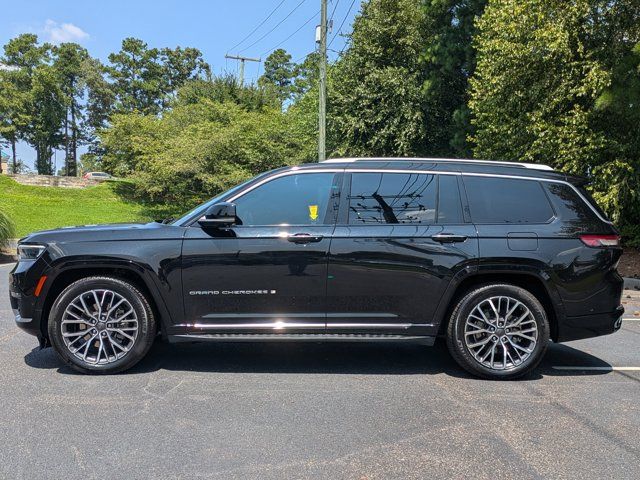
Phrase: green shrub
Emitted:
{"points": [[630, 236], [7, 229]]}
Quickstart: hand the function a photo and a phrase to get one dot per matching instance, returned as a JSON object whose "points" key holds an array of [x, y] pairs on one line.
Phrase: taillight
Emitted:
{"points": [[601, 240]]}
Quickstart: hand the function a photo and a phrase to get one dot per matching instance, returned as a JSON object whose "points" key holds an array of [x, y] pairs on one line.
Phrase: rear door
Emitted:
{"points": [[400, 239]]}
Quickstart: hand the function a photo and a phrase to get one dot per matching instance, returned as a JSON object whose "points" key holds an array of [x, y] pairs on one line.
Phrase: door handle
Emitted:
{"points": [[304, 238], [448, 237]]}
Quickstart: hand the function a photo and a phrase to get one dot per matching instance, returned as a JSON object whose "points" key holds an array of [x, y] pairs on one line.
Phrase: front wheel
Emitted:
{"points": [[101, 325], [498, 332]]}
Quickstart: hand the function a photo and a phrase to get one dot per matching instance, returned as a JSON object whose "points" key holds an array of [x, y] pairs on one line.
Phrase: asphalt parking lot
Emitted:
{"points": [[331, 411]]}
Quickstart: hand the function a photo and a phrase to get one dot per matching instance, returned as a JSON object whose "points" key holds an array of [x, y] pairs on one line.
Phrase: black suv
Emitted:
{"points": [[497, 257]]}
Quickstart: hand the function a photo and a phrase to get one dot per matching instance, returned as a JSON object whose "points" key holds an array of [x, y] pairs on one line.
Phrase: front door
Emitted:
{"points": [[268, 273], [399, 242]]}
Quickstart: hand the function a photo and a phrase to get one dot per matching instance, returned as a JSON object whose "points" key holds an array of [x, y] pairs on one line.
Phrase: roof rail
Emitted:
{"points": [[534, 166]]}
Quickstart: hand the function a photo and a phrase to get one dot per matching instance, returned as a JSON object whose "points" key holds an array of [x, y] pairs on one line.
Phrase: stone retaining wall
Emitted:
{"points": [[53, 181]]}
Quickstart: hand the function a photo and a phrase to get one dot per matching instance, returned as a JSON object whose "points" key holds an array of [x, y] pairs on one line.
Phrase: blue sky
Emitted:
{"points": [[213, 26]]}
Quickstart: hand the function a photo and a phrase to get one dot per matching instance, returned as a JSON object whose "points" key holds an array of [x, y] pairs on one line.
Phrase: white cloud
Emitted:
{"points": [[63, 32]]}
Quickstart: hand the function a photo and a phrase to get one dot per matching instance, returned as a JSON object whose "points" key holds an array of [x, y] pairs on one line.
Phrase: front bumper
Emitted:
{"points": [[26, 306], [20, 308], [587, 326]]}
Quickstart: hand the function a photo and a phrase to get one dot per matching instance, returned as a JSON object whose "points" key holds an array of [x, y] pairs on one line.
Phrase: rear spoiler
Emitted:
{"points": [[578, 180]]}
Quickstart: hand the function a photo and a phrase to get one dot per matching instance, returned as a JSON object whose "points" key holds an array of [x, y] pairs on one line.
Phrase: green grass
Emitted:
{"points": [[39, 208]]}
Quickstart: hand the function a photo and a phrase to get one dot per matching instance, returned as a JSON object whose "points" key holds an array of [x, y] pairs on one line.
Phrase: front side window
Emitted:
{"points": [[378, 198], [507, 200], [299, 199]]}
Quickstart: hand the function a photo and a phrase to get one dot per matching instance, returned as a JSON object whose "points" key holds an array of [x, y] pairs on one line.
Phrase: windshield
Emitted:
{"points": [[200, 209]]}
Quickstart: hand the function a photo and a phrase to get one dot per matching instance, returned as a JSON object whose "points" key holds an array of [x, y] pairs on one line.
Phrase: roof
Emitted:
{"points": [[487, 167], [534, 166]]}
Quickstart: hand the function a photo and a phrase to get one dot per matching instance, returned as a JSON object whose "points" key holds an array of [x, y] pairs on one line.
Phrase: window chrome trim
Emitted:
{"points": [[283, 174], [550, 180], [424, 172]]}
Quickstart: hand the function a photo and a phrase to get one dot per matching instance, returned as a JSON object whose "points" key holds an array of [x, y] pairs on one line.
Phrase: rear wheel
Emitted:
{"points": [[101, 325], [498, 332]]}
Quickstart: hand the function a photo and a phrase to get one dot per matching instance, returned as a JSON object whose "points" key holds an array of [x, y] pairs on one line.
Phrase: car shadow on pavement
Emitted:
{"points": [[325, 358]]}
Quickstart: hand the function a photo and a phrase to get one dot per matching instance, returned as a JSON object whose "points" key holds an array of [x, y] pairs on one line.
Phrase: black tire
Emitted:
{"points": [[462, 353], [138, 348]]}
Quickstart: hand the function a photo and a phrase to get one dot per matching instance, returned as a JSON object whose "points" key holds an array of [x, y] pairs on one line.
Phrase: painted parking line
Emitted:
{"points": [[599, 369], [631, 319]]}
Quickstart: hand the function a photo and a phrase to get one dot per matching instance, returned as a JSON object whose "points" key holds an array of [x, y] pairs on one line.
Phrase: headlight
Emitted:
{"points": [[30, 252]]}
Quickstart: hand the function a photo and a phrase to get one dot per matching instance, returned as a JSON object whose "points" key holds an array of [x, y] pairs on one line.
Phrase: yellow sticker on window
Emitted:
{"points": [[313, 212]]}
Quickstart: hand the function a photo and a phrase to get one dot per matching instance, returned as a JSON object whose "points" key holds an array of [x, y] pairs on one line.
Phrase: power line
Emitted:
{"points": [[297, 30], [342, 24], [303, 57], [277, 25], [334, 10], [259, 25]]}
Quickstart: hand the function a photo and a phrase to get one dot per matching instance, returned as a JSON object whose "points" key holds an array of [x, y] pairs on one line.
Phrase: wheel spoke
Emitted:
{"points": [[114, 307], [115, 343], [117, 330], [475, 332], [87, 312], [493, 307]]}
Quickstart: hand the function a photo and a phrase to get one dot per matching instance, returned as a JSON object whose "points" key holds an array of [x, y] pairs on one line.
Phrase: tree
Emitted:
{"points": [[376, 104], [21, 56], [47, 115], [225, 88], [145, 79], [208, 141], [181, 65], [557, 83], [136, 76], [448, 62], [37, 87], [279, 72], [307, 74], [13, 117], [69, 61]]}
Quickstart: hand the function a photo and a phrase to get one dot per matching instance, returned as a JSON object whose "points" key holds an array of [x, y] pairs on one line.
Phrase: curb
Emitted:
{"points": [[631, 283]]}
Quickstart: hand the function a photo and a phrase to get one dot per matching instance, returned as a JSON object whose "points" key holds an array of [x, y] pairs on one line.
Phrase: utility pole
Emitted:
{"points": [[242, 60], [322, 113]]}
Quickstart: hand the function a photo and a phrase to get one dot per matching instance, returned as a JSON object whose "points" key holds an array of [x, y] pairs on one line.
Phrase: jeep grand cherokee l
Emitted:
{"points": [[498, 257]]}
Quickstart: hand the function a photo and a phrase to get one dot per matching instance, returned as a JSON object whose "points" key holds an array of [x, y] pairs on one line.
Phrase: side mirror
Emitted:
{"points": [[221, 214]]}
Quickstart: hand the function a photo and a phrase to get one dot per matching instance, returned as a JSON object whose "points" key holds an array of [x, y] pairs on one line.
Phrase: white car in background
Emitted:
{"points": [[98, 176]]}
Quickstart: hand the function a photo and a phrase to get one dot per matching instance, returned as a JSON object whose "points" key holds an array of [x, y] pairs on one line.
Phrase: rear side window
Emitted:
{"points": [[507, 200], [573, 210], [585, 193], [404, 198]]}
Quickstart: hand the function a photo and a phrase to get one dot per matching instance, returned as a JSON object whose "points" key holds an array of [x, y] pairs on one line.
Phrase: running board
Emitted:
{"points": [[293, 337]]}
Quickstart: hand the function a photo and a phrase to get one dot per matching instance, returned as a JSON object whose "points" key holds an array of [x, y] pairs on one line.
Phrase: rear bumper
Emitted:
{"points": [[587, 326]]}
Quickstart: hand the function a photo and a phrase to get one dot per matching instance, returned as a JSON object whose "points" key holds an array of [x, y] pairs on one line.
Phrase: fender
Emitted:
{"points": [[160, 284], [497, 270]]}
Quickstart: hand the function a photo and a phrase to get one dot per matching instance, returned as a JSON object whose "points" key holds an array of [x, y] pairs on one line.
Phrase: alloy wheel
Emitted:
{"points": [[501, 333], [99, 326]]}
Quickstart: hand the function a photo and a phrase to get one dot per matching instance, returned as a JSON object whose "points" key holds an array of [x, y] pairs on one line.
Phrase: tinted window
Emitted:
{"points": [[585, 193], [392, 198], [302, 199], [507, 200], [575, 213]]}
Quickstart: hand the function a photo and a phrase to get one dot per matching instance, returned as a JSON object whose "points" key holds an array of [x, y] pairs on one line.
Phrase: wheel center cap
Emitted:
{"points": [[500, 332], [101, 326]]}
